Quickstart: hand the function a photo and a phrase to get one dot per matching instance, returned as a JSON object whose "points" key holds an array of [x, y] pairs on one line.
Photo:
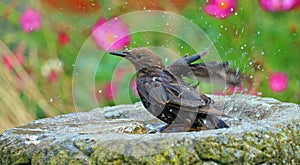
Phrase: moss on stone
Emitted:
{"points": [[272, 139]]}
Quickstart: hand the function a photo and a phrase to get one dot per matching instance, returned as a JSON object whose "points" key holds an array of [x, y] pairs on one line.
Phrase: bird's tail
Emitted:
{"points": [[212, 122]]}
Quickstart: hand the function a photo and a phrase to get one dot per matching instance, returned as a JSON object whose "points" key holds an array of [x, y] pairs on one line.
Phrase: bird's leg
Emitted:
{"points": [[200, 127], [186, 126], [164, 128], [169, 128]]}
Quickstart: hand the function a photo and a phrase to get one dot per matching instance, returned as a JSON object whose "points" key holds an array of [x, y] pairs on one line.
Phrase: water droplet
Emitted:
{"points": [[166, 59], [258, 66], [51, 100], [258, 32], [100, 91], [109, 8], [259, 93]]}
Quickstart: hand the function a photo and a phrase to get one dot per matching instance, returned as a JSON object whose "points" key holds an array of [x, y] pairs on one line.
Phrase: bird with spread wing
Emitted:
{"points": [[165, 95]]}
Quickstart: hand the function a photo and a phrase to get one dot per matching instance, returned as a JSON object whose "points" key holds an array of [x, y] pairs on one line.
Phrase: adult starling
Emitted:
{"points": [[168, 97]]}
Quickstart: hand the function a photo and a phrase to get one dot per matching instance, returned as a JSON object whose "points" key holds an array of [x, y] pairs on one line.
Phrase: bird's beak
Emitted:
{"points": [[120, 53]]}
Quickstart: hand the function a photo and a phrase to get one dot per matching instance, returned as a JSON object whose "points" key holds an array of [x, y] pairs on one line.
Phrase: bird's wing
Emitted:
{"points": [[214, 70], [168, 91], [206, 71]]}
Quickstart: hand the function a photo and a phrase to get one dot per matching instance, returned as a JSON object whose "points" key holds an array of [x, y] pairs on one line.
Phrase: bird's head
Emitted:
{"points": [[141, 58]]}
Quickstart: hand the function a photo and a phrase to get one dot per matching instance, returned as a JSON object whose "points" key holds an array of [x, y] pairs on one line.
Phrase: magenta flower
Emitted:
{"points": [[110, 90], [278, 5], [30, 20], [278, 82], [63, 38], [220, 9], [111, 35]]}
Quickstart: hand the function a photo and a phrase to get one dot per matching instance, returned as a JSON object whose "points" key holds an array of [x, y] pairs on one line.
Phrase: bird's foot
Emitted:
{"points": [[186, 126]]}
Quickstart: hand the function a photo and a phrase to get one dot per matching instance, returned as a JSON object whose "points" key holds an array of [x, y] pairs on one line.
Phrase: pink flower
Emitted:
{"points": [[219, 93], [220, 8], [51, 69], [278, 5], [53, 76], [10, 62], [232, 89], [63, 38], [134, 88], [278, 82], [110, 90], [20, 59], [119, 74], [19, 54], [30, 20], [111, 35]]}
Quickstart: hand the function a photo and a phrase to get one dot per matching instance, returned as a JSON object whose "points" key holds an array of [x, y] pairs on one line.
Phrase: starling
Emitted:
{"points": [[166, 96]]}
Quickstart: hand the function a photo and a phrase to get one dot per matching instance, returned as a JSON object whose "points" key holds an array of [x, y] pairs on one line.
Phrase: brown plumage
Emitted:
{"points": [[217, 73], [166, 96]]}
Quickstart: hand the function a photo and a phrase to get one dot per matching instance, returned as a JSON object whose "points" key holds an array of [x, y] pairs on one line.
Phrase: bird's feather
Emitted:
{"points": [[175, 94]]}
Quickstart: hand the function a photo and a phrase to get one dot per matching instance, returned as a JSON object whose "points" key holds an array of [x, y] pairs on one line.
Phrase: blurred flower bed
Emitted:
{"points": [[40, 41]]}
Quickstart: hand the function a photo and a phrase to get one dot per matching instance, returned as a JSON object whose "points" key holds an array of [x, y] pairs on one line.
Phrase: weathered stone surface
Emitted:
{"points": [[263, 130]]}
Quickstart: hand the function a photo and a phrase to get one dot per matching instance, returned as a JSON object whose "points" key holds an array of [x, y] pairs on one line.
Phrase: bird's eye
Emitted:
{"points": [[140, 55]]}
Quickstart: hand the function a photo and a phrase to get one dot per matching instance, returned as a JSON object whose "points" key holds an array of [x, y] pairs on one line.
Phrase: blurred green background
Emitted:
{"points": [[38, 83]]}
